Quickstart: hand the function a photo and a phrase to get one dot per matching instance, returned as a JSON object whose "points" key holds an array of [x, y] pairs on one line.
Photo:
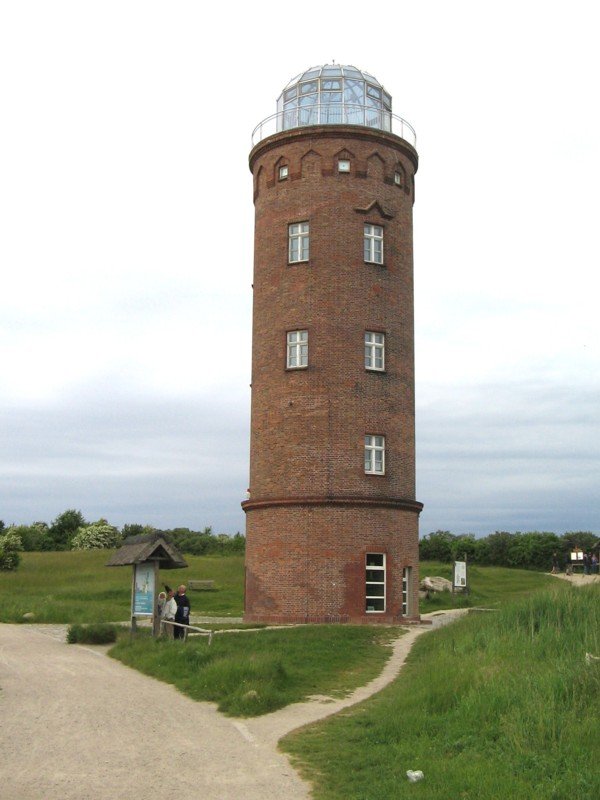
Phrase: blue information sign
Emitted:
{"points": [[143, 598]]}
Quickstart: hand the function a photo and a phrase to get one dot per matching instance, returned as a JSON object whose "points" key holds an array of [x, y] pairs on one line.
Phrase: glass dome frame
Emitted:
{"points": [[334, 94]]}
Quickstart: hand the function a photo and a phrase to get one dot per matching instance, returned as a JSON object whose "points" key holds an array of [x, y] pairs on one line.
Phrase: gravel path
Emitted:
{"points": [[77, 725], [577, 579]]}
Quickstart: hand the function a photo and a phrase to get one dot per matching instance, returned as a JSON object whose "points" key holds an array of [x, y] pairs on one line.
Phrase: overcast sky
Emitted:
{"points": [[126, 224]]}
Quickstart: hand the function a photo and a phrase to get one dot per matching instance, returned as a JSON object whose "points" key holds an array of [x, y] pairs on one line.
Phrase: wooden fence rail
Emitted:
{"points": [[187, 628]]}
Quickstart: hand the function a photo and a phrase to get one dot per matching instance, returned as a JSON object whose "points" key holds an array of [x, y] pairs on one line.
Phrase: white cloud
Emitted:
{"points": [[126, 250]]}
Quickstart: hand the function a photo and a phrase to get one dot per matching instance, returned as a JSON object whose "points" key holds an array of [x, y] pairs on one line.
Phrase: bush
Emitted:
{"points": [[35, 537], [97, 536], [10, 546], [205, 542], [437, 546], [100, 633]]}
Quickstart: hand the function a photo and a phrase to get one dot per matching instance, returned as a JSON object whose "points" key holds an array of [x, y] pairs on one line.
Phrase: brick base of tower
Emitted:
{"points": [[307, 563]]}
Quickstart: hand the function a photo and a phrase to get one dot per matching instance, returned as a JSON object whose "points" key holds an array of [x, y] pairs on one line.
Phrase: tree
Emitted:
{"points": [[97, 536], [34, 537], [437, 546], [135, 529], [10, 547], [584, 540], [494, 549], [465, 545], [64, 527]]}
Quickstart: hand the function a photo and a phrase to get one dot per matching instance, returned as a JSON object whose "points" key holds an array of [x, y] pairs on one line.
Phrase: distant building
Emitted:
{"points": [[331, 516]]}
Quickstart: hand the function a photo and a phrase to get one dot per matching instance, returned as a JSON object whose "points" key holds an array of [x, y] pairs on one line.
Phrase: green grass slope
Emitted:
{"points": [[495, 707], [488, 586], [255, 672], [77, 587]]}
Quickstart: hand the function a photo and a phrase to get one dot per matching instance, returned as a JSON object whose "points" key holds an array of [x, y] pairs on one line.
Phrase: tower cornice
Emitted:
{"points": [[320, 132], [403, 503]]}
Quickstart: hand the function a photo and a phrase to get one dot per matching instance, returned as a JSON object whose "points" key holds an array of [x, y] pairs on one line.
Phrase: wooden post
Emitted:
{"points": [[133, 619], [155, 618]]}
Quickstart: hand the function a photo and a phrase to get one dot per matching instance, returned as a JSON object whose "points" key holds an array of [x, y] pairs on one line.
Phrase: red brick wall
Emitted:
{"points": [[308, 426], [307, 563]]}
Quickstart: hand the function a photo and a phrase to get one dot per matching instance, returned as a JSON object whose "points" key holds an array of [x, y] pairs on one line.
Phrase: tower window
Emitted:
{"points": [[406, 590], [374, 582], [343, 165], [297, 349], [298, 242], [283, 172], [397, 179], [375, 455], [374, 350], [373, 244]]}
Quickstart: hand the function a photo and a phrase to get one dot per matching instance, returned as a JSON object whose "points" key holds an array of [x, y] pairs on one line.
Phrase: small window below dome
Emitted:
{"points": [[343, 165], [398, 178], [283, 172]]}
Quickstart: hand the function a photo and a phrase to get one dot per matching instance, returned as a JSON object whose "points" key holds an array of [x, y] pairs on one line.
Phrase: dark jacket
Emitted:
{"points": [[183, 609]]}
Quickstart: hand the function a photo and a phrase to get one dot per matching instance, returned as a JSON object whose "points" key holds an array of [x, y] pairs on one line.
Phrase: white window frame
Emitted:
{"points": [[406, 591], [284, 171], [298, 242], [343, 165], [297, 349], [373, 244], [374, 454], [381, 572], [375, 351], [398, 178]]}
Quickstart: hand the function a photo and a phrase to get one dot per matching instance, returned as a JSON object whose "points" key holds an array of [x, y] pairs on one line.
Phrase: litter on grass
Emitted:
{"points": [[414, 775]]}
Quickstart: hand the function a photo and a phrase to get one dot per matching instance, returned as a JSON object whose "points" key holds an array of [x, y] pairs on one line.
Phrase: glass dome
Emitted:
{"points": [[334, 94]]}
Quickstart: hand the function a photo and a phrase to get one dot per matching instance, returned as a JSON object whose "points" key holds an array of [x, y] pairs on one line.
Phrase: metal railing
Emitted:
{"points": [[334, 114]]}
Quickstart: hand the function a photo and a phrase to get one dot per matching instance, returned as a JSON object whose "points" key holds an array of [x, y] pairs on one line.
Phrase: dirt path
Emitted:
{"points": [[577, 579], [77, 725]]}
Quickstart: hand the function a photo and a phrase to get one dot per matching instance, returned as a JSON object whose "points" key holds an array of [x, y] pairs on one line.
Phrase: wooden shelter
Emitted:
{"points": [[149, 549]]}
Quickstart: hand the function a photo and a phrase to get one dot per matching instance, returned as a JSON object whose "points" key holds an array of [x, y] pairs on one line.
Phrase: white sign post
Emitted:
{"points": [[460, 576]]}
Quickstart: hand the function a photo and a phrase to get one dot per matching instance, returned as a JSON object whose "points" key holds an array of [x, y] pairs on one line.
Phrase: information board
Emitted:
{"points": [[143, 595], [460, 574]]}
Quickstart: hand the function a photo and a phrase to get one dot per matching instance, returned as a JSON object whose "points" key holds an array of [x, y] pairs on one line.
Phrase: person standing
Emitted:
{"points": [[162, 599], [183, 612], [586, 563], [169, 612]]}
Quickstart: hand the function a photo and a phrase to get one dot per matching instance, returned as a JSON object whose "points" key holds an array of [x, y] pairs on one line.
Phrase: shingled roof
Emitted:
{"points": [[149, 547]]}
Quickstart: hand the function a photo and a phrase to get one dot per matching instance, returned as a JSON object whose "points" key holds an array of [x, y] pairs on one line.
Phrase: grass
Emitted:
{"points": [[96, 633], [253, 673], [490, 587], [495, 706], [77, 587]]}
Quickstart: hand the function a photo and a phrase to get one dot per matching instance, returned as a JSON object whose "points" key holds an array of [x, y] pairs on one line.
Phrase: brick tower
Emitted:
{"points": [[332, 519]]}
